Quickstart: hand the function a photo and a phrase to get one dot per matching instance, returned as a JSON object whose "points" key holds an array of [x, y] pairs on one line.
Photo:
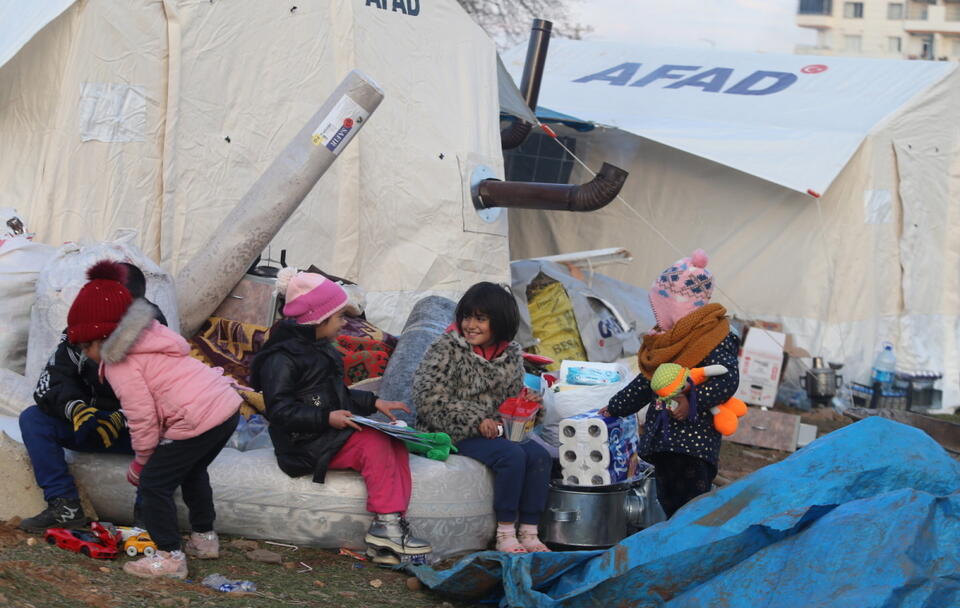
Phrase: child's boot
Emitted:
{"points": [[60, 513], [203, 545], [161, 563], [529, 539], [391, 531]]}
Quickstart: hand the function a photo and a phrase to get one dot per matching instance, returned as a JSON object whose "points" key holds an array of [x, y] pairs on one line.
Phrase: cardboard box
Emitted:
{"points": [[761, 361]]}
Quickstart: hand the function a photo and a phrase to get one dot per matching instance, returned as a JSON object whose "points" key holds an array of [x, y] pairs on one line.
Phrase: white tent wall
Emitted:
{"points": [[224, 86], [834, 282]]}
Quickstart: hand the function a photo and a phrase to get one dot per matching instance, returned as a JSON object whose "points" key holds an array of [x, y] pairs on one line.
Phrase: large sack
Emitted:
{"points": [[610, 316], [16, 393], [65, 274], [452, 503], [21, 261], [558, 405]]}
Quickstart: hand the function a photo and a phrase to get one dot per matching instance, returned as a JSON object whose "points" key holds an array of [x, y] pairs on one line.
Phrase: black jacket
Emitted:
{"points": [[70, 378], [302, 382]]}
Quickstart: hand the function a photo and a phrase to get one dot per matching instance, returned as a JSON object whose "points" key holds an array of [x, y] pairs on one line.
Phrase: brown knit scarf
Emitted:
{"points": [[689, 341]]}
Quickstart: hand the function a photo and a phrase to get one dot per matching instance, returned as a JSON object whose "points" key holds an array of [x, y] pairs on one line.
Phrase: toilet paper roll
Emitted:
{"points": [[585, 476], [590, 453], [590, 426]]}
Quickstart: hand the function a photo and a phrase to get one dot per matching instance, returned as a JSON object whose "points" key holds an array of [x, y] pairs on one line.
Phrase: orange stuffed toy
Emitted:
{"points": [[671, 379]]}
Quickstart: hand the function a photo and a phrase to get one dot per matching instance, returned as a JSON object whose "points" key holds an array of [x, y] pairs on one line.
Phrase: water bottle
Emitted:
{"points": [[221, 583], [884, 367]]}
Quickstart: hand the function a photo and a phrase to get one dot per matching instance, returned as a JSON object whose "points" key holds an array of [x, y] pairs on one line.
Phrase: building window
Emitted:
{"points": [[540, 160], [816, 7], [955, 47], [852, 43], [926, 46], [823, 39], [853, 10], [895, 10], [894, 44], [917, 12]]}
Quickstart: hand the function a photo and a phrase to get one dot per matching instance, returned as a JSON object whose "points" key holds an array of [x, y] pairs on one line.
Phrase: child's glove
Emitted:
{"points": [[133, 473], [89, 423]]}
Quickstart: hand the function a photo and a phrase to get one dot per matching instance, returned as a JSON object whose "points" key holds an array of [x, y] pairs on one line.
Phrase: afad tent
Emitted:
{"points": [[826, 189], [160, 115]]}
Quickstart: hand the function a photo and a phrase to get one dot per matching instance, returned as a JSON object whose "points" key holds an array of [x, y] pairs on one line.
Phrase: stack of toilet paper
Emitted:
{"points": [[598, 451]]}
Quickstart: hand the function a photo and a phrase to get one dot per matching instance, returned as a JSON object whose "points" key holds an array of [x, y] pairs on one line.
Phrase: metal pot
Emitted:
{"points": [[821, 382], [588, 517]]}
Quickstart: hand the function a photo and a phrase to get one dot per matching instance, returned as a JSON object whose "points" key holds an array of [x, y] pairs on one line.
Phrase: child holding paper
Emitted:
{"points": [[309, 409], [462, 381]]}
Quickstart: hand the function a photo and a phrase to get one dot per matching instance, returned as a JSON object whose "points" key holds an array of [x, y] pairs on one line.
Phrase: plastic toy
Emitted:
{"points": [[139, 543], [100, 542], [671, 379]]}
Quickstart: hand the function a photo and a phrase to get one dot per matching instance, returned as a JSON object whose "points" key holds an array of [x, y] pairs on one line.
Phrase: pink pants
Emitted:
{"points": [[385, 466]]}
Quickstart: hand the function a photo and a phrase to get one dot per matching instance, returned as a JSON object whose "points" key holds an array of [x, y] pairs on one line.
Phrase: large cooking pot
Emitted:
{"points": [[596, 517]]}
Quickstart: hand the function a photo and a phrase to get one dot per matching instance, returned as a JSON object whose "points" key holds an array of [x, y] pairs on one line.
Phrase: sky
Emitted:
{"points": [[742, 25]]}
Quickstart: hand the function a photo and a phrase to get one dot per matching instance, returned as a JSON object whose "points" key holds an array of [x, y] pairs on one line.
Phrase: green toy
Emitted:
{"points": [[435, 446]]}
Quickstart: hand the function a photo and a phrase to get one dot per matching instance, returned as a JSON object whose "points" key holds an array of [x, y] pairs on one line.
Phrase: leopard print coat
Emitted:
{"points": [[455, 389]]}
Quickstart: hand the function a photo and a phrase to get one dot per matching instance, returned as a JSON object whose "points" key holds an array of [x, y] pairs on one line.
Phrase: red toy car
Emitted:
{"points": [[100, 542]]}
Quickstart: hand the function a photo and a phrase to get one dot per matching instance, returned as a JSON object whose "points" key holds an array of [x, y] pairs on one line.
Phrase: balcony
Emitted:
{"points": [[944, 19]]}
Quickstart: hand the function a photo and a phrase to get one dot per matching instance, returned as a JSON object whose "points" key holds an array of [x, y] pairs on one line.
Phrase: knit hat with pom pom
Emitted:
{"points": [[310, 298], [100, 305], [681, 289]]}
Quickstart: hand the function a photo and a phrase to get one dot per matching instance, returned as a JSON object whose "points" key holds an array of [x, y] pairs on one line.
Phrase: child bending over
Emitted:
{"points": [[180, 413]]}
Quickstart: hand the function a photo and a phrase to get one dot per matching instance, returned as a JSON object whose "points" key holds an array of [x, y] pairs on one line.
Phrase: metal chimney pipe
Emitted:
{"points": [[593, 195], [204, 282], [517, 132]]}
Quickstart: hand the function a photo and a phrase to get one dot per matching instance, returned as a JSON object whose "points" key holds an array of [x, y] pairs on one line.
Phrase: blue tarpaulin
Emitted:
{"points": [[867, 516]]}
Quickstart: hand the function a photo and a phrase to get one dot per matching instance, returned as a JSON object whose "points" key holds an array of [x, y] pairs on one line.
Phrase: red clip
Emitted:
{"points": [[548, 130], [813, 193]]}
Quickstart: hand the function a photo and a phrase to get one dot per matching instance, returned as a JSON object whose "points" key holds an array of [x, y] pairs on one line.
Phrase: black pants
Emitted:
{"points": [[680, 479], [181, 463]]}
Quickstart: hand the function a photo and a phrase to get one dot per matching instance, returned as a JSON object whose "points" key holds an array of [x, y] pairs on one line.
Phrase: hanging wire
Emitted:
{"points": [[681, 253]]}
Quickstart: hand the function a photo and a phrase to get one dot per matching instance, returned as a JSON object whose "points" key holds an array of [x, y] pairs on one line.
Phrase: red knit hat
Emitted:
{"points": [[100, 305]]}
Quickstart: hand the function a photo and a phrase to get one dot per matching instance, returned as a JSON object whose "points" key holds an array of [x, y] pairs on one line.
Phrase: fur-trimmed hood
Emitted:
{"points": [[140, 332]]}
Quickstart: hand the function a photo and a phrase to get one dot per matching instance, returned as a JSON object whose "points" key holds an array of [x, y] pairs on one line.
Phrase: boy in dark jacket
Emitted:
{"points": [[76, 410], [310, 408]]}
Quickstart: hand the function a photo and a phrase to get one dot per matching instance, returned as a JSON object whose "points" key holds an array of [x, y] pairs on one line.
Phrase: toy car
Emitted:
{"points": [[139, 543], [99, 543]]}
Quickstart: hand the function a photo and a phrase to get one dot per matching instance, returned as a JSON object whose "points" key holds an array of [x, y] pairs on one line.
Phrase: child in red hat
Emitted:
{"points": [[180, 413]]}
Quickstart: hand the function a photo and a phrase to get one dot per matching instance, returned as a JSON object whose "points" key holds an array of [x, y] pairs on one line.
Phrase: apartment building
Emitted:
{"points": [[908, 29]]}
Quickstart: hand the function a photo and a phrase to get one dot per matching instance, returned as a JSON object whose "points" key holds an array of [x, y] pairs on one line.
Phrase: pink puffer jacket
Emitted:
{"points": [[164, 393]]}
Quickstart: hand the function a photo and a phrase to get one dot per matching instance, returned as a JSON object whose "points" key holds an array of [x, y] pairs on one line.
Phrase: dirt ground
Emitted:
{"points": [[34, 574], [738, 461]]}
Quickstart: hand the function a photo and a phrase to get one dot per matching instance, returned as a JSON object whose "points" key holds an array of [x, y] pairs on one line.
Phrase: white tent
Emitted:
{"points": [[160, 115], [826, 190]]}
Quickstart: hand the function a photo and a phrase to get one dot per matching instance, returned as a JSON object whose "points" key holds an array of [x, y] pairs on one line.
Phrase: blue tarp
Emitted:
{"points": [[867, 516]]}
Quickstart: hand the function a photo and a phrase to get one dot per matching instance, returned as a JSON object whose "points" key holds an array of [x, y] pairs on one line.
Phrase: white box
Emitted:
{"points": [[761, 359]]}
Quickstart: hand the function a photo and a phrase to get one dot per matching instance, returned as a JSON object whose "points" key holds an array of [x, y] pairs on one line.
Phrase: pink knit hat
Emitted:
{"points": [[681, 289], [310, 298]]}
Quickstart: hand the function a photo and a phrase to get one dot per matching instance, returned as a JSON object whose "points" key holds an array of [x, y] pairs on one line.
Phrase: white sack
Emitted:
{"points": [[564, 404], [66, 273], [16, 395], [20, 263]]}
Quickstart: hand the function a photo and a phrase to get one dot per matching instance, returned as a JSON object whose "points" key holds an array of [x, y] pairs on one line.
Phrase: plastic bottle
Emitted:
{"points": [[884, 367], [221, 583]]}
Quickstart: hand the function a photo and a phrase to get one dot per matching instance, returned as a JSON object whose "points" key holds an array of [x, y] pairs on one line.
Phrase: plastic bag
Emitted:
{"points": [[251, 434], [560, 403], [21, 261]]}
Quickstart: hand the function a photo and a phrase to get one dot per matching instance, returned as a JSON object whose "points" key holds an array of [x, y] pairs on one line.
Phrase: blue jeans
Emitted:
{"points": [[46, 437], [521, 475]]}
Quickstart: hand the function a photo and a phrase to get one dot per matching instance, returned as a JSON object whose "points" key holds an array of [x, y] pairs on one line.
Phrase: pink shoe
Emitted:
{"points": [[161, 563], [531, 542], [507, 543], [203, 545]]}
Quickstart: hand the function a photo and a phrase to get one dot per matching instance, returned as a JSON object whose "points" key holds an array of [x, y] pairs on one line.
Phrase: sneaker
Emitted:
{"points": [[161, 563], [391, 531], [60, 513], [203, 545]]}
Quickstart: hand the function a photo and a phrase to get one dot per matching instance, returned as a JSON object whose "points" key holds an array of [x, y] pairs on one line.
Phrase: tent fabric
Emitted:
{"points": [[193, 100], [872, 261], [20, 21], [839, 523], [791, 119], [511, 99]]}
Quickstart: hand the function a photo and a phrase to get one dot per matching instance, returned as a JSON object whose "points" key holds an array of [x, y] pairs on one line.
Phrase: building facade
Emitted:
{"points": [[906, 29]]}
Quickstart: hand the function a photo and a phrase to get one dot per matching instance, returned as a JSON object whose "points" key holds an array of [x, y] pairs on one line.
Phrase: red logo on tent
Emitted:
{"points": [[348, 122], [814, 69]]}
